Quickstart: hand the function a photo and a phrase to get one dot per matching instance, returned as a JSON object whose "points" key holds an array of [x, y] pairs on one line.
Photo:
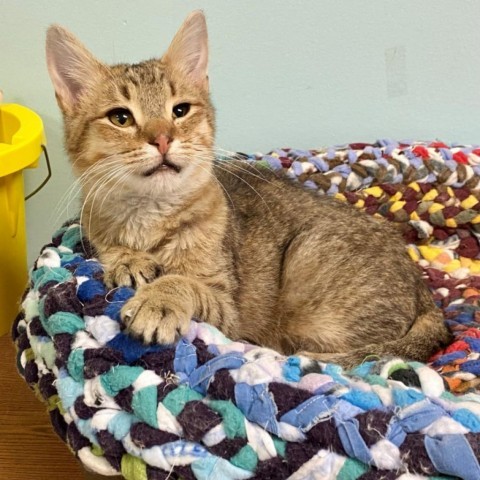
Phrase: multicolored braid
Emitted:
{"points": [[209, 408]]}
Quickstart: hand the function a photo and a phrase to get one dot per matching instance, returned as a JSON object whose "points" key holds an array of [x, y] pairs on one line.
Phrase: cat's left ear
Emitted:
{"points": [[72, 68], [189, 49]]}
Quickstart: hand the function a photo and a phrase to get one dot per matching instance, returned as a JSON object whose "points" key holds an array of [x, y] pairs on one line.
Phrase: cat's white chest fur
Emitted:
{"points": [[137, 220], [145, 224]]}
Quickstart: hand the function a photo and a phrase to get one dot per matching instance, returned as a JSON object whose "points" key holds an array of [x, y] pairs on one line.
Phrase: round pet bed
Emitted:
{"points": [[209, 408]]}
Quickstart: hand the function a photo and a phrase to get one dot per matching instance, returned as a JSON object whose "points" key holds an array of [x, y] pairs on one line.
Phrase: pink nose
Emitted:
{"points": [[163, 142]]}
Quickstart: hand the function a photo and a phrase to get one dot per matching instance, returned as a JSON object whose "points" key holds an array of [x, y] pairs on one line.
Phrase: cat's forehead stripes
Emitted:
{"points": [[143, 86], [145, 73], [172, 88], [125, 92]]}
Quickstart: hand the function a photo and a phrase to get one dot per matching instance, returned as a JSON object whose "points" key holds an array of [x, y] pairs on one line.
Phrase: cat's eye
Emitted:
{"points": [[181, 110], [121, 117]]}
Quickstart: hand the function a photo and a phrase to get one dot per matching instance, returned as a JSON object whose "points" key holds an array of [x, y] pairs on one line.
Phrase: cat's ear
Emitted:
{"points": [[189, 49], [71, 66]]}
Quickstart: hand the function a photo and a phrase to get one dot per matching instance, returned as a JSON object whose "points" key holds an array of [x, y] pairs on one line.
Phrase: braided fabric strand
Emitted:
{"points": [[209, 408]]}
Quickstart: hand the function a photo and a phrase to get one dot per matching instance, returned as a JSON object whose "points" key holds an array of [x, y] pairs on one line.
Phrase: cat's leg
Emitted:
{"points": [[348, 308], [338, 296], [161, 311], [317, 309], [125, 267]]}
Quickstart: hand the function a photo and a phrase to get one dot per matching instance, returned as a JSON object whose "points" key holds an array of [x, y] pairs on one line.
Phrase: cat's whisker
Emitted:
{"points": [[236, 162], [219, 183], [79, 182], [98, 183], [67, 199], [209, 159], [64, 202], [72, 192], [246, 183], [121, 172], [237, 166], [120, 180], [103, 180], [228, 153]]}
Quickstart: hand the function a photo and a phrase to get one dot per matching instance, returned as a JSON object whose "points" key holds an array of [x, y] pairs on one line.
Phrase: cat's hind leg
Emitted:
{"points": [[342, 301], [327, 300]]}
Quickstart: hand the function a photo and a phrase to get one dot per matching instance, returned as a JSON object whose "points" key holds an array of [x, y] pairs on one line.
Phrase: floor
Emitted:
{"points": [[29, 449]]}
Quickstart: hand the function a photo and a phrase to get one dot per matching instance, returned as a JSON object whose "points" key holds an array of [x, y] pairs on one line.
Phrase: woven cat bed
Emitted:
{"points": [[209, 408]]}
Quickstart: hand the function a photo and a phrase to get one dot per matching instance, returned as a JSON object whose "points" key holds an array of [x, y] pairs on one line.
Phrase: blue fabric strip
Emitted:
{"points": [[257, 405], [453, 455], [200, 377]]}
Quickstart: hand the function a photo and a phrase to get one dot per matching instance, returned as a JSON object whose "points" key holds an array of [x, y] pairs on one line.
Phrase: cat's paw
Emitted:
{"points": [[154, 316], [130, 269]]}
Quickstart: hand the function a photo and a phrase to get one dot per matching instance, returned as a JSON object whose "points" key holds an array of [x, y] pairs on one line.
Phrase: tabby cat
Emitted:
{"points": [[250, 252]]}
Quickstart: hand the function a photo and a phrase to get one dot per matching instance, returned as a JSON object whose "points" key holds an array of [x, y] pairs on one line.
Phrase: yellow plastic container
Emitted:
{"points": [[21, 139]]}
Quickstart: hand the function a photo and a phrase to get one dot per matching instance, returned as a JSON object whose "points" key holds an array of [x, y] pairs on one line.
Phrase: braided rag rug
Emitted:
{"points": [[209, 408]]}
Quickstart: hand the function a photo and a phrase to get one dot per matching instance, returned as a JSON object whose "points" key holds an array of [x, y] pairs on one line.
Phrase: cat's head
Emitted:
{"points": [[146, 127]]}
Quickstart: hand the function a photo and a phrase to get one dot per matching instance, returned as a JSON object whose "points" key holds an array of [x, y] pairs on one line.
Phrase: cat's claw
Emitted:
{"points": [[127, 315], [154, 318], [132, 271]]}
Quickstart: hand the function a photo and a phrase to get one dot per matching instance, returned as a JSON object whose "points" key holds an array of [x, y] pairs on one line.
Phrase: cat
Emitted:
{"points": [[250, 252]]}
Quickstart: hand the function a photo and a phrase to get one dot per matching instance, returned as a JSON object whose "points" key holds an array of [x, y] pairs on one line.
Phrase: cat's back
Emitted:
{"points": [[272, 199], [254, 189]]}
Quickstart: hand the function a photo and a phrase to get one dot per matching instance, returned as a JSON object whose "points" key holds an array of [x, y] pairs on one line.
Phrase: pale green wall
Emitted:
{"points": [[296, 73]]}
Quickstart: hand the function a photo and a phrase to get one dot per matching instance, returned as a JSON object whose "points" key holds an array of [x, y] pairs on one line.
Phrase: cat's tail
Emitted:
{"points": [[427, 335]]}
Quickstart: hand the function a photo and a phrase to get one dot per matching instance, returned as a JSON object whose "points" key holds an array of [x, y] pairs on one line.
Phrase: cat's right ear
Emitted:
{"points": [[189, 49], [71, 66]]}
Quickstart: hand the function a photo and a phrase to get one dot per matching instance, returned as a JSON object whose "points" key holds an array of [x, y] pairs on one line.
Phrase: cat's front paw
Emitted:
{"points": [[156, 316], [128, 268]]}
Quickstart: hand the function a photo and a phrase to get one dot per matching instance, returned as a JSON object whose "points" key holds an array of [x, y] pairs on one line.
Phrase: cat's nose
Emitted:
{"points": [[162, 142]]}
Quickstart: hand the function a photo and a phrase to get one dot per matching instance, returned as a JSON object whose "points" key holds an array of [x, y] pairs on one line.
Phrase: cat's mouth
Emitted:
{"points": [[163, 166]]}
